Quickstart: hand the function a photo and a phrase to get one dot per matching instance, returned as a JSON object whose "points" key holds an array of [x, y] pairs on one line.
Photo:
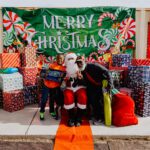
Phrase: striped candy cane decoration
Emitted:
{"points": [[132, 41], [120, 9], [107, 14], [90, 59]]}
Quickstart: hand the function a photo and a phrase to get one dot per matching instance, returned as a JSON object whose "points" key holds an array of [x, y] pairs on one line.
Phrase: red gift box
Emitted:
{"points": [[28, 57], [118, 68], [140, 62], [40, 83], [9, 60], [29, 75], [13, 101]]}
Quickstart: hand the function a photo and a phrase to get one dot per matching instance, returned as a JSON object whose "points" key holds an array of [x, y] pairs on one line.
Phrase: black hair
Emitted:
{"points": [[60, 54]]}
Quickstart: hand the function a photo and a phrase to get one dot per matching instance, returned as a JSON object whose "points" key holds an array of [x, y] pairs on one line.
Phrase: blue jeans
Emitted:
{"points": [[54, 94]]}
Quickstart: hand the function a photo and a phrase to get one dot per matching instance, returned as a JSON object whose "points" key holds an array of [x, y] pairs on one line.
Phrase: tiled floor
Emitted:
{"points": [[26, 122]]}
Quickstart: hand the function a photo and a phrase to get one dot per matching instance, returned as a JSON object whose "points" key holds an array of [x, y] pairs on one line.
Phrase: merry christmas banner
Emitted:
{"points": [[97, 30]]}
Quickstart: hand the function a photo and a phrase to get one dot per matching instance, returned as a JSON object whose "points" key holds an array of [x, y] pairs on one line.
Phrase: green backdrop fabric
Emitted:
{"points": [[79, 30]]}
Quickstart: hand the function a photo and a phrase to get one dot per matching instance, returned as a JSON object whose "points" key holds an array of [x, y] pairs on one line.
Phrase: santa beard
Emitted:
{"points": [[72, 69]]}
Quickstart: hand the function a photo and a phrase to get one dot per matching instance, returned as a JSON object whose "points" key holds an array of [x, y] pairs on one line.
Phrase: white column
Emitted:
{"points": [[141, 33], [1, 31]]}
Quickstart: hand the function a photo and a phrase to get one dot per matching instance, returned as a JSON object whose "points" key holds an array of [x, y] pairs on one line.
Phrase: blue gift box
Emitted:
{"points": [[53, 75], [121, 60], [139, 73], [30, 95], [56, 74], [56, 79], [141, 96]]}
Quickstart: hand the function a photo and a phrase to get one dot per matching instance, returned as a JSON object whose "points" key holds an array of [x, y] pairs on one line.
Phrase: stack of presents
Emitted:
{"points": [[19, 88], [132, 77]]}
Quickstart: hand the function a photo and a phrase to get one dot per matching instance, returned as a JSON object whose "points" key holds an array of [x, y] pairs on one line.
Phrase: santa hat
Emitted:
{"points": [[69, 56]]}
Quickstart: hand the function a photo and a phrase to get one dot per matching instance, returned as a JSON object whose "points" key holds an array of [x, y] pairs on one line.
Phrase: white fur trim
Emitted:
{"points": [[70, 55], [69, 106], [76, 88], [81, 106], [72, 69]]}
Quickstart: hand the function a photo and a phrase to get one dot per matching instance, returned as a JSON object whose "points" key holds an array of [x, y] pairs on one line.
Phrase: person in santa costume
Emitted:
{"points": [[94, 74], [75, 92]]}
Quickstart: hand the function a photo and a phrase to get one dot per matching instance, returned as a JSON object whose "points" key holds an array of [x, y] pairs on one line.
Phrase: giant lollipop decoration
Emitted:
{"points": [[28, 32], [12, 22], [7, 38], [126, 31], [50, 59], [127, 28], [111, 35]]}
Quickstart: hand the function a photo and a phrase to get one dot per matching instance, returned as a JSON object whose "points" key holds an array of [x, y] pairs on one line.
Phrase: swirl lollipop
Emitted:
{"points": [[7, 38], [12, 22], [127, 28], [111, 35], [28, 32]]}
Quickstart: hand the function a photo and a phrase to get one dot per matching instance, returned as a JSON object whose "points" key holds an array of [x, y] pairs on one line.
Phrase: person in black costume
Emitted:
{"points": [[94, 74]]}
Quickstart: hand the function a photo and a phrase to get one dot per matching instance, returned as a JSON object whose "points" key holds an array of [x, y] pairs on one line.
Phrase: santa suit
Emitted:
{"points": [[75, 91], [74, 94]]}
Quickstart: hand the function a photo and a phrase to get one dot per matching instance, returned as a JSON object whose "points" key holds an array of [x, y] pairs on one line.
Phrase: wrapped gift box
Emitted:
{"points": [[141, 96], [30, 95], [139, 73], [9, 60], [40, 83], [1, 99], [29, 75], [28, 57], [140, 62], [13, 101], [9, 82], [121, 60], [117, 77]]}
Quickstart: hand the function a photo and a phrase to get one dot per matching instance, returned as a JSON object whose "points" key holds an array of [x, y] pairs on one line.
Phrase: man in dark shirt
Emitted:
{"points": [[94, 74]]}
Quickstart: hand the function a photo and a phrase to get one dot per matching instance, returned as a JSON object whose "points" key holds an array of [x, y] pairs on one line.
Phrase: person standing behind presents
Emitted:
{"points": [[51, 87]]}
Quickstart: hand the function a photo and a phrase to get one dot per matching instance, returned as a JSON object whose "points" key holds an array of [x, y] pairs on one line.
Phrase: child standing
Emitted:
{"points": [[52, 87]]}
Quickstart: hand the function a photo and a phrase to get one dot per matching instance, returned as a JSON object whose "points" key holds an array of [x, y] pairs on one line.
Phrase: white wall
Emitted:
{"points": [[75, 3], [1, 31], [142, 19]]}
